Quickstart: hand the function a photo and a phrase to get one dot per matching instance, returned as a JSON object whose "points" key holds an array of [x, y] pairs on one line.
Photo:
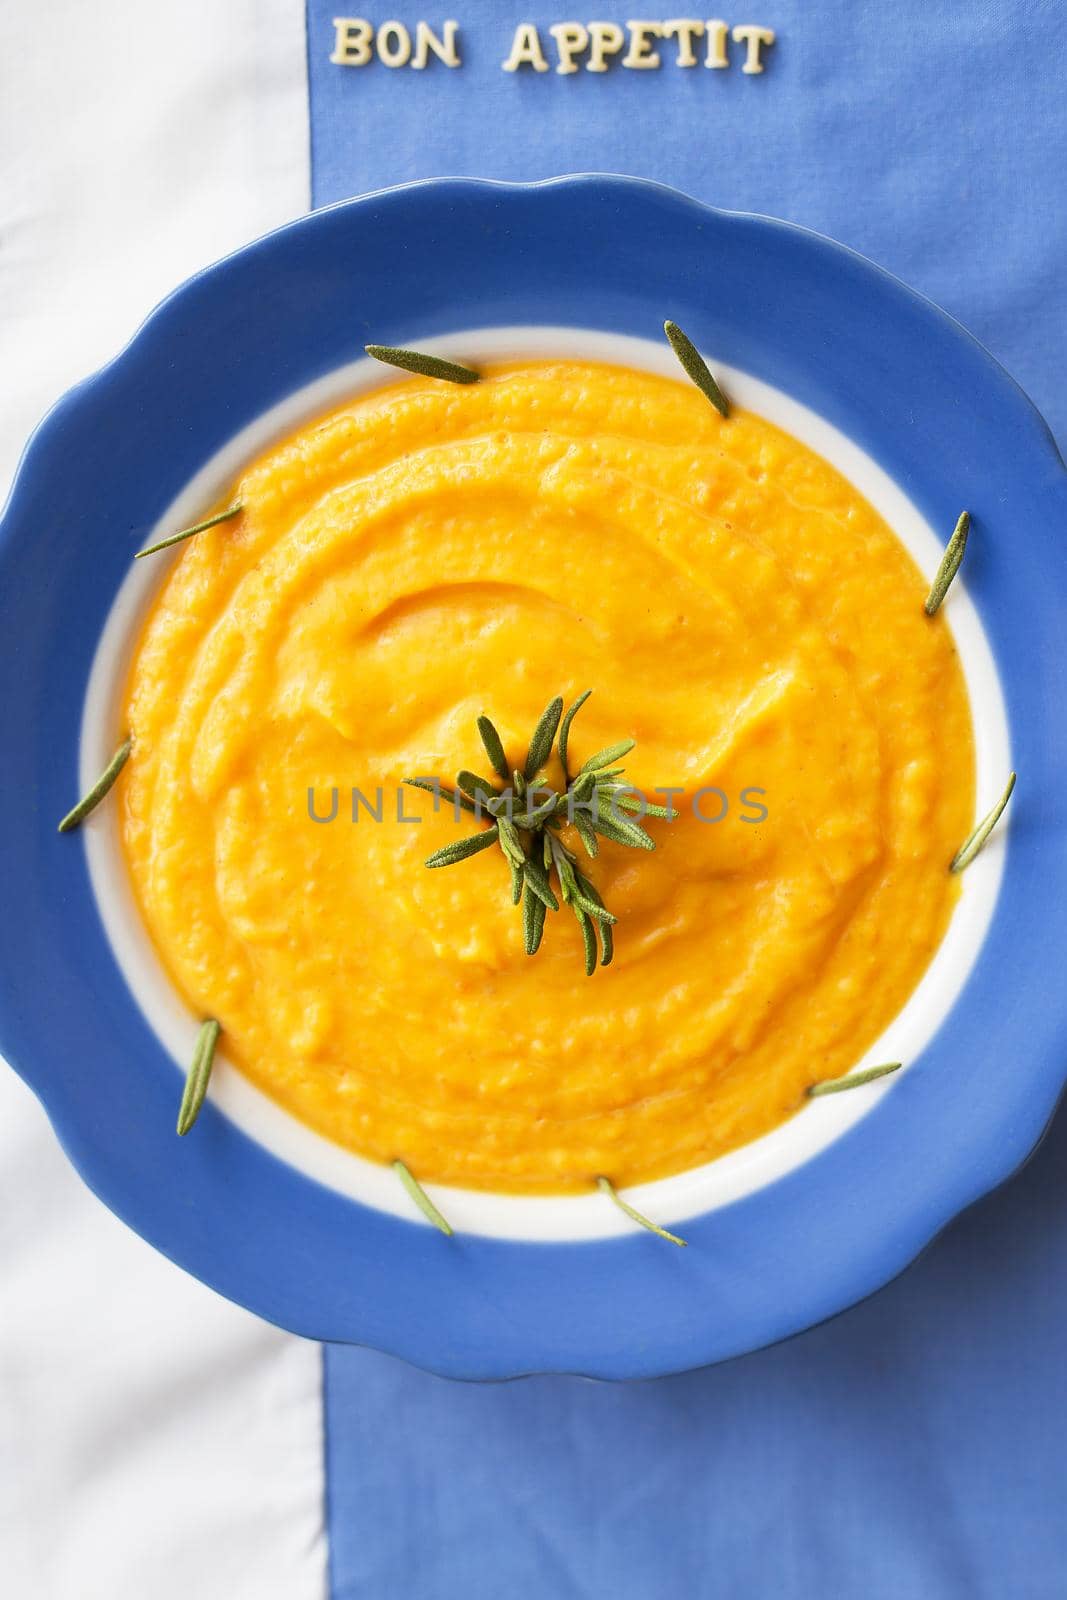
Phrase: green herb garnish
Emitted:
{"points": [[526, 818], [696, 367], [852, 1080], [425, 366], [187, 533], [975, 842], [950, 564], [199, 1075], [421, 1198], [99, 789], [606, 1186]]}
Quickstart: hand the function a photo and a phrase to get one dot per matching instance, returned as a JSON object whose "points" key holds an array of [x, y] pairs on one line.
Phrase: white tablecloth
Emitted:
{"points": [[155, 1441]]}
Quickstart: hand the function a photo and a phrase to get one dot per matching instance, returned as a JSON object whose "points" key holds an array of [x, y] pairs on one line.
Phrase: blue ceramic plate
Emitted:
{"points": [[781, 1235]]}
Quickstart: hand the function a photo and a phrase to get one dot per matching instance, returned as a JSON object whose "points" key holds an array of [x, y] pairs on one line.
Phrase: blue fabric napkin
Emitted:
{"points": [[915, 1446]]}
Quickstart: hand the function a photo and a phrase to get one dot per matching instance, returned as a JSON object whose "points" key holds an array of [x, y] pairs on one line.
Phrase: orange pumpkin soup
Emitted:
{"points": [[431, 552]]}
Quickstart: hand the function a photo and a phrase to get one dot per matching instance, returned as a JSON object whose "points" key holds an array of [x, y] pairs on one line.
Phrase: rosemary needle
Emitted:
{"points": [[606, 1186], [975, 842], [543, 738], [425, 366], [99, 789], [696, 367], [588, 933], [421, 1198], [533, 919], [187, 533], [607, 757], [199, 1074], [852, 1080], [950, 564], [494, 748], [565, 731], [460, 849], [441, 791]]}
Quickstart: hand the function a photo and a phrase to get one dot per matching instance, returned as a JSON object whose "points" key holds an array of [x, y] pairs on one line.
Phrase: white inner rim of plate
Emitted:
{"points": [[668, 1200]]}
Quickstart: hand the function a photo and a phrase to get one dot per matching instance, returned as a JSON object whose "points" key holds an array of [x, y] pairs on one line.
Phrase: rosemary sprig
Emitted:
{"points": [[527, 819], [425, 366], [852, 1080], [975, 841], [187, 533], [100, 788], [199, 1075], [421, 1198], [950, 564], [696, 367], [606, 1186]]}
